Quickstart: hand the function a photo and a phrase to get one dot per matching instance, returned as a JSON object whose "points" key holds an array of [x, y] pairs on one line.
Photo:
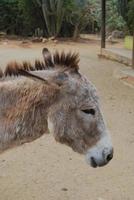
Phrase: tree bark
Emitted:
{"points": [[103, 23], [76, 32], [133, 52]]}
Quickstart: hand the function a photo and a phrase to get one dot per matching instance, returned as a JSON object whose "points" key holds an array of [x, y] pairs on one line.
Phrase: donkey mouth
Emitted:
{"points": [[93, 163]]}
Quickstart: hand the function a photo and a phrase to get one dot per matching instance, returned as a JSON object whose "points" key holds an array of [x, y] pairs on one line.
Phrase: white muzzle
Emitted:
{"points": [[100, 154]]}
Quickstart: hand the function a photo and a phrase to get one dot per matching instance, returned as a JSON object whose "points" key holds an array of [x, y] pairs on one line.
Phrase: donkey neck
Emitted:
{"points": [[24, 106]]}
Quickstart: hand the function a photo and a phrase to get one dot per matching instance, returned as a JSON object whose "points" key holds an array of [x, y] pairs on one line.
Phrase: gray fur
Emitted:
{"points": [[28, 108]]}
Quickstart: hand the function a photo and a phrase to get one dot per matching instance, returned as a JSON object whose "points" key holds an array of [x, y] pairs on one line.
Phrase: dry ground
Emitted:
{"points": [[46, 170]]}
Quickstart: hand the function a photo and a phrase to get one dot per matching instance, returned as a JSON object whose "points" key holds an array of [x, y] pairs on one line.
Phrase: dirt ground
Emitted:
{"points": [[46, 170]]}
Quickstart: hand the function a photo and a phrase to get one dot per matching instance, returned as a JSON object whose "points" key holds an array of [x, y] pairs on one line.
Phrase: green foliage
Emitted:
{"points": [[114, 20], [80, 14], [32, 15], [126, 9], [122, 7], [53, 13], [10, 17], [130, 16], [63, 17], [20, 17]]}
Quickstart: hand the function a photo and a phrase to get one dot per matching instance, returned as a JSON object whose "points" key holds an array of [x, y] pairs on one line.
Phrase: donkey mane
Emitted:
{"points": [[66, 61]]}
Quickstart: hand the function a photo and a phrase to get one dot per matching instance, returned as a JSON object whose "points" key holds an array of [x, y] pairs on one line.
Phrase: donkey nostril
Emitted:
{"points": [[109, 157], [108, 154]]}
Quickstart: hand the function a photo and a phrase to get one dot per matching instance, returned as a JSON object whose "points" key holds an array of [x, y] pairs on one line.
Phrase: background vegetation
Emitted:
{"points": [[66, 18]]}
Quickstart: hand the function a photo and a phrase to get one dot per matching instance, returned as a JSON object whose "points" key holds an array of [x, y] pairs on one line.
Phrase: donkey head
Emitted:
{"points": [[75, 117]]}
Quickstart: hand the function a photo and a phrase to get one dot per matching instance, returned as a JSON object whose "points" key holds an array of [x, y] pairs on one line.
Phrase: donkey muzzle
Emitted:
{"points": [[100, 154]]}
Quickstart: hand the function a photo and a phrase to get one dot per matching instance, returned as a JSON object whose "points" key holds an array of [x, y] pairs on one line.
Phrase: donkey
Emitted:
{"points": [[52, 95]]}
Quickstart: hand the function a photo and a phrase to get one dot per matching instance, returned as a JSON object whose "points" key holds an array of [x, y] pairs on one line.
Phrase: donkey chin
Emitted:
{"points": [[101, 153]]}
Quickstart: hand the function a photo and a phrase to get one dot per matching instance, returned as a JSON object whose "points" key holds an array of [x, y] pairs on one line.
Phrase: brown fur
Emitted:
{"points": [[23, 111]]}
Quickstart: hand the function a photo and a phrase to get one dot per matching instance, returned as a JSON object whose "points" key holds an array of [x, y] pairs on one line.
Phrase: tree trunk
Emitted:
{"points": [[103, 23], [133, 52], [93, 25], [76, 32]]}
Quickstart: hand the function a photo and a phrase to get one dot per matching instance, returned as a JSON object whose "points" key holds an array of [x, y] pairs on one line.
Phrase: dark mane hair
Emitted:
{"points": [[1, 73], [67, 61]]}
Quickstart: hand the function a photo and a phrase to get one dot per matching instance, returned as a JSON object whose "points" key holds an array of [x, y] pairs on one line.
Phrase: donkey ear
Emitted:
{"points": [[31, 76], [56, 81], [47, 57]]}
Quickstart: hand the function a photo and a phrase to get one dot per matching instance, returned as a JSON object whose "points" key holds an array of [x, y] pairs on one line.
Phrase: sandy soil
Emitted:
{"points": [[46, 170]]}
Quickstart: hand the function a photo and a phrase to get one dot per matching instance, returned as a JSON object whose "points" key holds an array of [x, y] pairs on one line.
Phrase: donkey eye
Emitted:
{"points": [[89, 111]]}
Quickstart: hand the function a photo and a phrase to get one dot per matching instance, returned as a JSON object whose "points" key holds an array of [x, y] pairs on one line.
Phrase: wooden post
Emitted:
{"points": [[103, 23], [133, 52]]}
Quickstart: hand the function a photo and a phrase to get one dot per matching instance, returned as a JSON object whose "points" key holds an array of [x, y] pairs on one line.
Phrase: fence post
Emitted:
{"points": [[103, 23]]}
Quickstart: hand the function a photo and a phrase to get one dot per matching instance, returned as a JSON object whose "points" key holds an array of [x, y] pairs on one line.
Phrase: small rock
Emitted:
{"points": [[51, 38], [2, 33], [24, 42], [44, 40], [110, 38], [55, 41], [36, 39], [64, 189], [118, 34]]}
